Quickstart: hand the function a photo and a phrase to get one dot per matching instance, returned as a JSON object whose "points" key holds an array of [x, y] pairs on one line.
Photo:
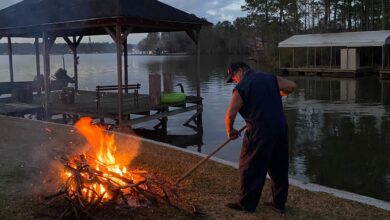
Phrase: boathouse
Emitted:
{"points": [[347, 54], [48, 20]]}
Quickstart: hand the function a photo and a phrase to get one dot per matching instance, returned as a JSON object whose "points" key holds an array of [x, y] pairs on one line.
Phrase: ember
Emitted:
{"points": [[93, 181]]}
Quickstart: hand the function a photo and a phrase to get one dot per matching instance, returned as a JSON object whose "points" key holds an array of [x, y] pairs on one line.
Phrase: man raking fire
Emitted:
{"points": [[257, 97]]}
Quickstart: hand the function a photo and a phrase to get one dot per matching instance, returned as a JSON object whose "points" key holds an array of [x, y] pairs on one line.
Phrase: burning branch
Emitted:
{"points": [[92, 183]]}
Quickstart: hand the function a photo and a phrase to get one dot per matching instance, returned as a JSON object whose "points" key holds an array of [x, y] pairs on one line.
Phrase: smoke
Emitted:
{"points": [[31, 153]]}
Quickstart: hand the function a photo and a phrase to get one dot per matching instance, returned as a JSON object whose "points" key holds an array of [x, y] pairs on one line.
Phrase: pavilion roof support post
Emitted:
{"points": [[47, 44], [37, 60], [11, 65], [315, 57], [37, 64], [126, 65], [73, 46], [119, 39], [118, 42], [280, 51], [195, 36]]}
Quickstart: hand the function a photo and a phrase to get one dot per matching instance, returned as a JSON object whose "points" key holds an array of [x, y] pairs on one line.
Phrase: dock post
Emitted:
{"points": [[164, 121], [198, 62], [154, 89], [199, 117], [167, 82], [11, 65]]}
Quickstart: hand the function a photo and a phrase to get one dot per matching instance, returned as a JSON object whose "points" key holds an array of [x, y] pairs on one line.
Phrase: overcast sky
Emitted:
{"points": [[212, 10]]}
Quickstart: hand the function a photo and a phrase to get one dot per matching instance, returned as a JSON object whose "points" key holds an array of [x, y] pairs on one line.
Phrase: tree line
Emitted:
{"points": [[62, 48], [282, 18], [270, 21]]}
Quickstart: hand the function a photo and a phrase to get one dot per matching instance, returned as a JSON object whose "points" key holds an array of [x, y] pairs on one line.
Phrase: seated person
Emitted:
{"points": [[61, 80]]}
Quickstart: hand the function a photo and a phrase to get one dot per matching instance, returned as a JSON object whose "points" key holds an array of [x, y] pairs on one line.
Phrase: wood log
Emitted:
{"points": [[154, 89]]}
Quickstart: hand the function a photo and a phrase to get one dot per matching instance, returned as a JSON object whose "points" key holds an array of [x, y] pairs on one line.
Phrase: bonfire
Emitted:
{"points": [[95, 179]]}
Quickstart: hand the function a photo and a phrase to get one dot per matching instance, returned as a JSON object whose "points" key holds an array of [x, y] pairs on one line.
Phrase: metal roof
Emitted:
{"points": [[344, 39], [30, 17]]}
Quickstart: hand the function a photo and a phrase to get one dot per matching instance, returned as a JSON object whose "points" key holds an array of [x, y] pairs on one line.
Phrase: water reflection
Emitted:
{"points": [[179, 140], [339, 134]]}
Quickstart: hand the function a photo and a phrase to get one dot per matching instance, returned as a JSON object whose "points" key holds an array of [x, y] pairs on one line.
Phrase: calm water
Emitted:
{"points": [[339, 128]]}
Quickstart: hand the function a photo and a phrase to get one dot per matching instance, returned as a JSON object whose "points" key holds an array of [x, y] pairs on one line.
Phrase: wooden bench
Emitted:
{"points": [[100, 89]]}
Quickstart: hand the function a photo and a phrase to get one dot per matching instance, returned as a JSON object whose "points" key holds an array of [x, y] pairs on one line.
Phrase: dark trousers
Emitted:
{"points": [[258, 156]]}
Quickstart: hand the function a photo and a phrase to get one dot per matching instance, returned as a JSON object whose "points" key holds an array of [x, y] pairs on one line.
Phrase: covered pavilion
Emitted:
{"points": [[71, 20], [336, 54]]}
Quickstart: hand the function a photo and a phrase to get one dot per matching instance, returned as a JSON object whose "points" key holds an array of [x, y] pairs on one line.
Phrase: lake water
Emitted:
{"points": [[339, 128]]}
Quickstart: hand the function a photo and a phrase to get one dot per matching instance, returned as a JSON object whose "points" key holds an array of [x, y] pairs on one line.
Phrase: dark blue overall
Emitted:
{"points": [[265, 144]]}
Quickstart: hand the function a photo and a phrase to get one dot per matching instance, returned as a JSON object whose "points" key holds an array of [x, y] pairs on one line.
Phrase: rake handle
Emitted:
{"points": [[205, 159]]}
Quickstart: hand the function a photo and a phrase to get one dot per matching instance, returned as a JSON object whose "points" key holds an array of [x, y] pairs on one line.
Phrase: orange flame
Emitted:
{"points": [[101, 156], [102, 142]]}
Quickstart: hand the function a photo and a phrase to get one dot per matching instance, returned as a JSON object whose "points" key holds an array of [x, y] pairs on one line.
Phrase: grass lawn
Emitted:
{"points": [[28, 148]]}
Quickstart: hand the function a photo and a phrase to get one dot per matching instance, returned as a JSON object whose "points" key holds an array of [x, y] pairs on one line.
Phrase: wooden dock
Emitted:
{"points": [[327, 72], [134, 112], [135, 109], [18, 109]]}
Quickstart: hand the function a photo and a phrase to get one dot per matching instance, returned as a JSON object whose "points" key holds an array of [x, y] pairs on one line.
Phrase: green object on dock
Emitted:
{"points": [[172, 97]]}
